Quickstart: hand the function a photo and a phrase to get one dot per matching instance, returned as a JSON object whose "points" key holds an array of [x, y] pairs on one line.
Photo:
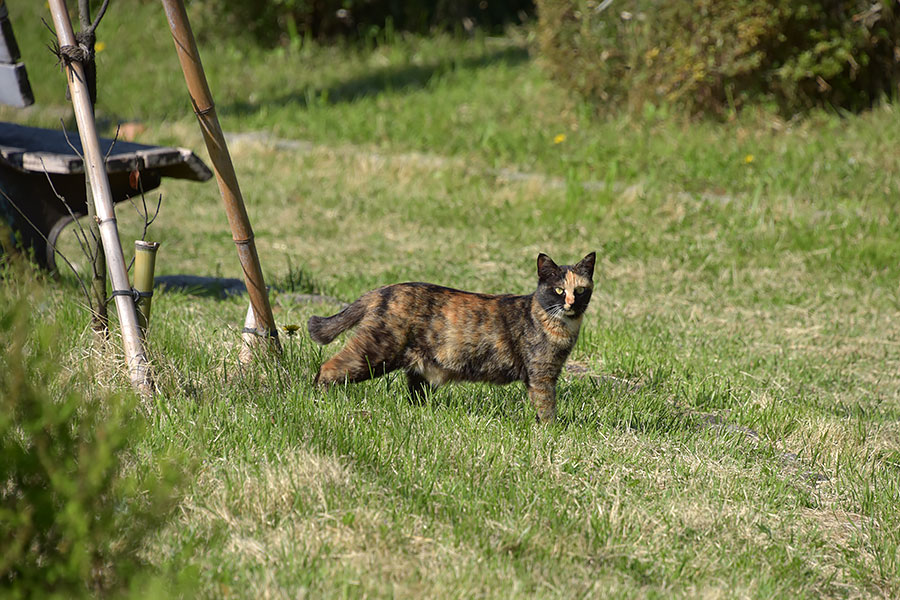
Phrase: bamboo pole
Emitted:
{"points": [[144, 265], [204, 109], [94, 164]]}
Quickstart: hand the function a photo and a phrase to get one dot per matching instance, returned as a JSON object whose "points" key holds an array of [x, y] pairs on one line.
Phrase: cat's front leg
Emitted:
{"points": [[542, 393]]}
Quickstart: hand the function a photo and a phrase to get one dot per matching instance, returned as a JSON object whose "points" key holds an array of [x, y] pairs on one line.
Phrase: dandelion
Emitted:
{"points": [[560, 138], [748, 159], [99, 46], [291, 331]]}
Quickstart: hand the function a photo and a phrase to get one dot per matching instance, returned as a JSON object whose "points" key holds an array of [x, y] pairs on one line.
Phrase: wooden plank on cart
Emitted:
{"points": [[37, 150]]}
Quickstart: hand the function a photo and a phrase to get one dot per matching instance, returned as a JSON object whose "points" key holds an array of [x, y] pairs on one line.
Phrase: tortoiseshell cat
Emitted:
{"points": [[438, 334]]}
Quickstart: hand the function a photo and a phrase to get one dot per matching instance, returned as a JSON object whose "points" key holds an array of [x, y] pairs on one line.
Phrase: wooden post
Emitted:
{"points": [[94, 164], [204, 108]]}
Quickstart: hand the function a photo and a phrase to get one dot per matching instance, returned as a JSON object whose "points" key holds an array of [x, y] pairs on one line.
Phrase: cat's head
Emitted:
{"points": [[564, 292]]}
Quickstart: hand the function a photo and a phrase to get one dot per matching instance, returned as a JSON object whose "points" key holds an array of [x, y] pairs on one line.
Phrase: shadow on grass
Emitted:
{"points": [[582, 404], [290, 290], [403, 78]]}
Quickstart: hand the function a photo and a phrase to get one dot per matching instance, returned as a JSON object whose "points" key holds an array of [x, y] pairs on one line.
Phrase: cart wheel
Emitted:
{"points": [[51, 242]]}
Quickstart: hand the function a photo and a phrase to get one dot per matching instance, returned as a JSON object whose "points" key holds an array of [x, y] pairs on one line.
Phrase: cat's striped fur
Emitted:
{"points": [[437, 334]]}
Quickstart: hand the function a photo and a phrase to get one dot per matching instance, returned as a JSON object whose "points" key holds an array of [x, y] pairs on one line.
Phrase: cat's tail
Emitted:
{"points": [[324, 329]]}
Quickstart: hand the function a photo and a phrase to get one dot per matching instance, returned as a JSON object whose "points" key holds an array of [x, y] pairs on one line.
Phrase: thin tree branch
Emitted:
{"points": [[85, 247], [113, 145], [144, 215], [100, 14], [84, 15], [49, 243], [77, 152]]}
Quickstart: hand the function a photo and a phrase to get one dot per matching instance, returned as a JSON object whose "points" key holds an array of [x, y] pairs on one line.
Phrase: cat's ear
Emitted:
{"points": [[547, 269], [586, 265]]}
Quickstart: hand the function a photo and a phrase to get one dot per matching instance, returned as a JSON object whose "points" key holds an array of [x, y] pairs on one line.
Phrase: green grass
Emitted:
{"points": [[751, 305]]}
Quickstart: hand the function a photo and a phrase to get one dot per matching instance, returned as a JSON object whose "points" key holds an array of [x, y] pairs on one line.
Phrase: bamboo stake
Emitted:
{"points": [[144, 265], [204, 109], [94, 164]]}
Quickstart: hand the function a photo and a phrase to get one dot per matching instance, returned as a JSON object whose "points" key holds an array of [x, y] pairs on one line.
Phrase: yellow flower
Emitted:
{"points": [[748, 159], [291, 329], [560, 138], [99, 46]]}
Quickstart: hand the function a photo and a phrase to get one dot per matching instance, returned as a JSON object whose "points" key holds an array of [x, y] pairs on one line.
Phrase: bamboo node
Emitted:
{"points": [[202, 112], [245, 242]]}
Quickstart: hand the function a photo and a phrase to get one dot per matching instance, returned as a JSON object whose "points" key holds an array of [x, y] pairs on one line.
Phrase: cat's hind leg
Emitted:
{"points": [[358, 361]]}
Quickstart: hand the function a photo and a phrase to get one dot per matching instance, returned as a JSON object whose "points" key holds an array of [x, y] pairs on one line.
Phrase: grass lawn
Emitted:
{"points": [[738, 431]]}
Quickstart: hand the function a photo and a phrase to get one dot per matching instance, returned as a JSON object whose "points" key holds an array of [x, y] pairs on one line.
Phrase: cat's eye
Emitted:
{"points": [[579, 290], [559, 291]]}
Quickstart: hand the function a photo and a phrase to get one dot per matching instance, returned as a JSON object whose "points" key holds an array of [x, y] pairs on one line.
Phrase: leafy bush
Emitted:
{"points": [[277, 21], [74, 512], [715, 56]]}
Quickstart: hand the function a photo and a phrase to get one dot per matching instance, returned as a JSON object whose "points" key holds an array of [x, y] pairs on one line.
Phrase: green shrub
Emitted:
{"points": [[74, 510], [716, 56], [279, 21]]}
